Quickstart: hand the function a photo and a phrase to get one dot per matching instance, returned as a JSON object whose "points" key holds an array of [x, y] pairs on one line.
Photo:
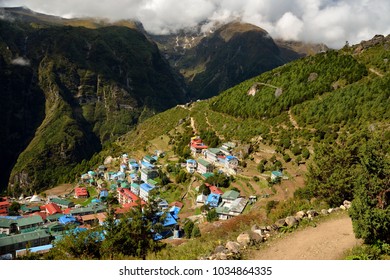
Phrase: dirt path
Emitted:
{"points": [[376, 72], [327, 241], [292, 120]]}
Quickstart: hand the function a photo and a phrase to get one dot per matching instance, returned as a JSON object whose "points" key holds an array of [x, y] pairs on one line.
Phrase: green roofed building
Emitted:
{"points": [[207, 175], [93, 209], [8, 226], [152, 182], [31, 222], [204, 166], [54, 217], [230, 196], [10, 244], [64, 203]]}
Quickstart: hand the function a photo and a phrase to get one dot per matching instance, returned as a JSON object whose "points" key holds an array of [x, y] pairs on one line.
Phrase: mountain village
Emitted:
{"points": [[41, 221]]}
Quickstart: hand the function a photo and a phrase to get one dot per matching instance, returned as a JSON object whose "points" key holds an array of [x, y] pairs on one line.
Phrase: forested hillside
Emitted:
{"points": [[66, 90]]}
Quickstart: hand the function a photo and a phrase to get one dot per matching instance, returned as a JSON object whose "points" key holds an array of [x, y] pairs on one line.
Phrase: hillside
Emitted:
{"points": [[214, 61], [323, 120], [67, 90]]}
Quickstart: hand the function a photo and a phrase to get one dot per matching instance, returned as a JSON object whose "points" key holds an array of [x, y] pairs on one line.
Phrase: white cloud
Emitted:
{"points": [[330, 21], [20, 61]]}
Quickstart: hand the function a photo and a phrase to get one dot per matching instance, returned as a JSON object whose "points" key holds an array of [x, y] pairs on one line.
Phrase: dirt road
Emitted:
{"points": [[329, 240]]}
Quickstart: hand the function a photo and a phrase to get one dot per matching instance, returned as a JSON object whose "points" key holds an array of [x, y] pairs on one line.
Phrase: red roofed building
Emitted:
{"points": [[197, 146], [4, 206], [214, 189], [52, 209], [42, 214], [81, 192], [128, 206], [126, 196]]}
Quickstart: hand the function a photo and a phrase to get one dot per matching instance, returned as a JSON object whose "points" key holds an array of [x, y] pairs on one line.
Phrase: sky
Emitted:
{"points": [[332, 22]]}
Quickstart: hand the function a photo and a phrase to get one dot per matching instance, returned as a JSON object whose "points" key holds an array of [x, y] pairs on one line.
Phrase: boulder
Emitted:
{"points": [[342, 207], [311, 214], [272, 228], [108, 160], [324, 212], [233, 247], [300, 214], [220, 256], [280, 223], [255, 227], [244, 239], [347, 204], [336, 209], [291, 221], [219, 249], [330, 210], [256, 238]]}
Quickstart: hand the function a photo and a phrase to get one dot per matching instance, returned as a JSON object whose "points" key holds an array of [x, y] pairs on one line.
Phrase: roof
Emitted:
{"points": [[175, 212], [238, 205], [99, 216], [152, 182], [222, 210], [66, 219], [231, 158], [95, 208], [54, 217], [191, 161], [213, 200], [208, 175], [81, 191], [214, 150], [147, 165], [128, 194], [231, 195], [6, 223], [169, 220], [146, 187], [30, 221], [23, 237], [60, 201], [52, 208], [134, 185], [214, 189], [42, 214], [277, 173], [103, 193], [4, 203], [204, 162]]}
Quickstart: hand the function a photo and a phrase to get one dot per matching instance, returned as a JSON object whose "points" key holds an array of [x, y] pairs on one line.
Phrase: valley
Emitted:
{"points": [[196, 140]]}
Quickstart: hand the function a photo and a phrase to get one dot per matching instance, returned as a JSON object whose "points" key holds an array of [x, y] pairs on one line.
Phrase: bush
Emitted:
{"points": [[196, 231], [212, 215]]}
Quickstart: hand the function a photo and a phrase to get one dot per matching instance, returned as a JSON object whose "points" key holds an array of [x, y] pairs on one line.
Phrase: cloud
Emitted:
{"points": [[20, 61], [329, 21]]}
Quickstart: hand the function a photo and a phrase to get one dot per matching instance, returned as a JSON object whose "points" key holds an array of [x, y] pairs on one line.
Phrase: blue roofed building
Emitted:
{"points": [[145, 189], [213, 200], [276, 175], [67, 219], [147, 174]]}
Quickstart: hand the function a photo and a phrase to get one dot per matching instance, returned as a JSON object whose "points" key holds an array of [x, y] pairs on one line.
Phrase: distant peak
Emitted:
{"points": [[227, 31]]}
